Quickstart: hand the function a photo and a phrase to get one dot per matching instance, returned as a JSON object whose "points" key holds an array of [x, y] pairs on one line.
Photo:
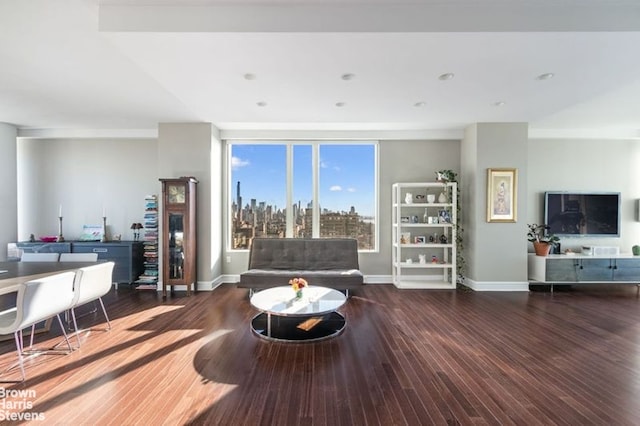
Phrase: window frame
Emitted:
{"points": [[315, 149]]}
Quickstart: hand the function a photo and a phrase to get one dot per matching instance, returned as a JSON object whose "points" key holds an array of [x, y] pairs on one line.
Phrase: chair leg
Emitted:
{"points": [[75, 325], [33, 331], [18, 337], [64, 333], [105, 313]]}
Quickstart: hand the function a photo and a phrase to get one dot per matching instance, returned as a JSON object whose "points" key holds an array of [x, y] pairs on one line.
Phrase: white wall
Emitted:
{"points": [[8, 189], [185, 149], [84, 176], [587, 165]]}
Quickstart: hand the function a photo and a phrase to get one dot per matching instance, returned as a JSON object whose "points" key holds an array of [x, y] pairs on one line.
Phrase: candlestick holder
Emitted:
{"points": [[104, 238], [60, 238]]}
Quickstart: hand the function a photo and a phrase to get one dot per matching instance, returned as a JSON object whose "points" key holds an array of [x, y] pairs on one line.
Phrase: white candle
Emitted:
{"points": [[60, 211]]}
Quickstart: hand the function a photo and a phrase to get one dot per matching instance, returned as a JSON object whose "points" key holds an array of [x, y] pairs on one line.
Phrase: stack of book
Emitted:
{"points": [[149, 278]]}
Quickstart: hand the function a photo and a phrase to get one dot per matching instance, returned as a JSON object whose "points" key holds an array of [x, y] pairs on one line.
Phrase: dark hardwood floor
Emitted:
{"points": [[406, 357]]}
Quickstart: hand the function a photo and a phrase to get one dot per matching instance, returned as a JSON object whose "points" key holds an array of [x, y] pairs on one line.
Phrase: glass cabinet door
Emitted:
{"points": [[176, 245]]}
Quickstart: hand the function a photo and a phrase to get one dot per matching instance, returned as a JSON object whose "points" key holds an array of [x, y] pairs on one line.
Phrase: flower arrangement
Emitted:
{"points": [[298, 284]]}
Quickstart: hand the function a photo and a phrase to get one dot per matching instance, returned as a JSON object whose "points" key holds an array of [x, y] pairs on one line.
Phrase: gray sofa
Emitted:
{"points": [[327, 262]]}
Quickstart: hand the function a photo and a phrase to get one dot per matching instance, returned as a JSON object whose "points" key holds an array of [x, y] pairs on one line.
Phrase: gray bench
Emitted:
{"points": [[327, 262]]}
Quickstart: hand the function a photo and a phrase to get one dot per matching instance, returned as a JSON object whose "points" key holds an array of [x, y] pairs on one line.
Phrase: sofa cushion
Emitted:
{"points": [[332, 278], [330, 262]]}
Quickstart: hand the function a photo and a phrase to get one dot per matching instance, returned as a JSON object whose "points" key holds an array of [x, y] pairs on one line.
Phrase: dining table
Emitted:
{"points": [[13, 273]]}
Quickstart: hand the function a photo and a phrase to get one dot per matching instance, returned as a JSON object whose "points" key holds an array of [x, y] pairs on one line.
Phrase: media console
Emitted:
{"points": [[564, 269]]}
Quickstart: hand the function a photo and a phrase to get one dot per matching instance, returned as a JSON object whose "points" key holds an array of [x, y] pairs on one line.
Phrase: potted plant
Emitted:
{"points": [[446, 175], [541, 239]]}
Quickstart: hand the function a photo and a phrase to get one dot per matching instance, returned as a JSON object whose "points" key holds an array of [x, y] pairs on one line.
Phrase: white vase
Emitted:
{"points": [[442, 198], [431, 198], [408, 198]]}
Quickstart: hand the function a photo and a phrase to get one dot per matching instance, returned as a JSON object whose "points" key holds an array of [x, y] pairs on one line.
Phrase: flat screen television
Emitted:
{"points": [[582, 214]]}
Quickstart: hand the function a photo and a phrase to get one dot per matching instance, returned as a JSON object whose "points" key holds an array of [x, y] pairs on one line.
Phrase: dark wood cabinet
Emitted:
{"points": [[179, 233]]}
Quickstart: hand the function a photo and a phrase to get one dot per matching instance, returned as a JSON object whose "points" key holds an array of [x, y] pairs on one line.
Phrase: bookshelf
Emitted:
{"points": [[149, 278]]}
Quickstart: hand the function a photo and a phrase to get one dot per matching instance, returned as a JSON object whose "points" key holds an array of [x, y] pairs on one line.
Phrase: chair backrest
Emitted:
{"points": [[78, 257], [39, 257], [92, 282], [43, 298]]}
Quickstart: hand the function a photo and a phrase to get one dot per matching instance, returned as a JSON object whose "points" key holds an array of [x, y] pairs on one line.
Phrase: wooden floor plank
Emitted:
{"points": [[406, 357]]}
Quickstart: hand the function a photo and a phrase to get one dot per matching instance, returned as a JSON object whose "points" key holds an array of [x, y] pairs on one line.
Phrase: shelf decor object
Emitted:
{"points": [[434, 236], [104, 238], [60, 238], [136, 227]]}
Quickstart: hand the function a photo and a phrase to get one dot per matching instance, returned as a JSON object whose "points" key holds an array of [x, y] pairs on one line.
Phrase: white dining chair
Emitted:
{"points": [[37, 301], [90, 284], [39, 257], [78, 257]]}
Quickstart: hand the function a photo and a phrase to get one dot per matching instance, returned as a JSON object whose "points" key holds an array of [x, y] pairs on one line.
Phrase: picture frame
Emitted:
{"points": [[420, 239], [444, 216], [502, 190]]}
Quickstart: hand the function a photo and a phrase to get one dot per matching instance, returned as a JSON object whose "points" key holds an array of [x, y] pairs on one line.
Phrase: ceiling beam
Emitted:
{"points": [[459, 16]]}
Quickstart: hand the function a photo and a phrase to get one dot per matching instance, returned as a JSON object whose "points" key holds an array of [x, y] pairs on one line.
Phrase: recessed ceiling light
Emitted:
{"points": [[261, 104], [348, 76], [340, 104], [498, 104], [249, 76], [446, 76], [546, 76], [419, 104]]}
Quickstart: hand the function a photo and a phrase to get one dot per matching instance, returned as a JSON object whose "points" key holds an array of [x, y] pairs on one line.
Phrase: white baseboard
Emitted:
{"points": [[200, 285], [368, 279], [496, 285], [372, 280], [229, 278], [378, 279]]}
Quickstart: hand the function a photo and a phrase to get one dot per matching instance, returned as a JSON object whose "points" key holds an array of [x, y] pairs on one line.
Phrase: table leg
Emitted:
{"points": [[269, 324]]}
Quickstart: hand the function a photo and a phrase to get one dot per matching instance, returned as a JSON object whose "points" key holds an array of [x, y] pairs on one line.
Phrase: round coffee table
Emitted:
{"points": [[310, 318]]}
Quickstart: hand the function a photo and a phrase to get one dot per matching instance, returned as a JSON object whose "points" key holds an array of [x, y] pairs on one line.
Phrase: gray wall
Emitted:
{"points": [[85, 174], [586, 165], [399, 161], [495, 252]]}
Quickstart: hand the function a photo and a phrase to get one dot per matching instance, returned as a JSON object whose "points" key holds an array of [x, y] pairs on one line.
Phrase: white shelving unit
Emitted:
{"points": [[424, 229]]}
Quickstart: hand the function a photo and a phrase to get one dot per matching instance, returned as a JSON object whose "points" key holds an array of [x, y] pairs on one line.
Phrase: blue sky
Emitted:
{"points": [[347, 175]]}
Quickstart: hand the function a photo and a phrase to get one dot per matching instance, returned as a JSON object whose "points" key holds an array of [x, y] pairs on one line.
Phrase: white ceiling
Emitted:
{"points": [[77, 65]]}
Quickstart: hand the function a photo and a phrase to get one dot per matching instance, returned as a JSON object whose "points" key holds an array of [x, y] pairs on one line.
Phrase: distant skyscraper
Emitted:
{"points": [[239, 201]]}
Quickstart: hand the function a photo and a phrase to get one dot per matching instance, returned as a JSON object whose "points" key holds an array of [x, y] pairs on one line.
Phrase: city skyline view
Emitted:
{"points": [[346, 176]]}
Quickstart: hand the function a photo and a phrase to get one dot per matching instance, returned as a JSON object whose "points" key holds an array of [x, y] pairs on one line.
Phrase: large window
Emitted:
{"points": [[303, 190]]}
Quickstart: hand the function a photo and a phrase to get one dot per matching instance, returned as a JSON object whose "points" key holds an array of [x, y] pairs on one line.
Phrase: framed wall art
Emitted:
{"points": [[502, 189]]}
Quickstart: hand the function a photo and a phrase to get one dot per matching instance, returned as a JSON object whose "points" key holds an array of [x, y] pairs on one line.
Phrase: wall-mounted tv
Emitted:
{"points": [[582, 214]]}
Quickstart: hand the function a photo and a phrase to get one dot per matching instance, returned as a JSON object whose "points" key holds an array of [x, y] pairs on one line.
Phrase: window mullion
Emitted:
{"points": [[289, 205], [315, 157]]}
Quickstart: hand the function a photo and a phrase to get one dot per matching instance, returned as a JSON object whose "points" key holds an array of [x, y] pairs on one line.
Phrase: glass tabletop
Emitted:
{"points": [[282, 301]]}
